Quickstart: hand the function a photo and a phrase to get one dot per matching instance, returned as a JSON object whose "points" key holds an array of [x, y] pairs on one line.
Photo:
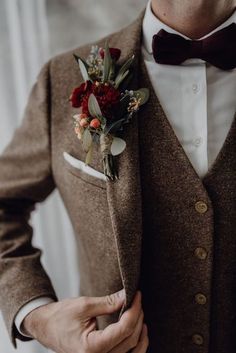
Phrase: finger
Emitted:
{"points": [[115, 333], [142, 346], [131, 341], [96, 306]]}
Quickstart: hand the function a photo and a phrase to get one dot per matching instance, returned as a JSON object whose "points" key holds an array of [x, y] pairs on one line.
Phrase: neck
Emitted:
{"points": [[193, 18]]}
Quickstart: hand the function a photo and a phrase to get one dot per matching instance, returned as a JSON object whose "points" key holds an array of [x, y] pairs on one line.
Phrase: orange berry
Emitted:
{"points": [[95, 123]]}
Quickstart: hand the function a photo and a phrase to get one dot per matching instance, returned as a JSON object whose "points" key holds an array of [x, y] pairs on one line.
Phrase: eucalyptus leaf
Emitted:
{"points": [[127, 83], [107, 63], [83, 71], [77, 58], [89, 155], [142, 94], [114, 126], [120, 78], [96, 138], [103, 120], [118, 146], [124, 68], [112, 71], [127, 64], [93, 106], [87, 140]]}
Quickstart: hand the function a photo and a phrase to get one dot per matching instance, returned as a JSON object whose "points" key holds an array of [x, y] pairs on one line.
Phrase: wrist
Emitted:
{"points": [[35, 321]]}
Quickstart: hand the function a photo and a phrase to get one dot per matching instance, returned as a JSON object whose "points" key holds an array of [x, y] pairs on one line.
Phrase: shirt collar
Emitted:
{"points": [[152, 25]]}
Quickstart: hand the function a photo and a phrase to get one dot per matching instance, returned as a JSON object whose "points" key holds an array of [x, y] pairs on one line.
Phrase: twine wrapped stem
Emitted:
{"points": [[109, 166]]}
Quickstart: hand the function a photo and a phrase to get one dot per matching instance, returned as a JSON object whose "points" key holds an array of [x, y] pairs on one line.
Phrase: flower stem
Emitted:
{"points": [[109, 166]]}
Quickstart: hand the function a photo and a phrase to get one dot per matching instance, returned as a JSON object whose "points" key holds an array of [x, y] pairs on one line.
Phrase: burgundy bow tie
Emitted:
{"points": [[219, 49]]}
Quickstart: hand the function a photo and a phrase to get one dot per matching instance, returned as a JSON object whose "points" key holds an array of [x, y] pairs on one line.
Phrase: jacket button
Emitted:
{"points": [[200, 253], [200, 299], [201, 207], [197, 339]]}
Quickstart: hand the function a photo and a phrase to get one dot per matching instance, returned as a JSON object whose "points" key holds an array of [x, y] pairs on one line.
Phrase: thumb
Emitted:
{"points": [[109, 304]]}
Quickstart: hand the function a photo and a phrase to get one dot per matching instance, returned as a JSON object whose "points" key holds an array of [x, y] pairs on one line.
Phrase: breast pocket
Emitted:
{"points": [[88, 174]]}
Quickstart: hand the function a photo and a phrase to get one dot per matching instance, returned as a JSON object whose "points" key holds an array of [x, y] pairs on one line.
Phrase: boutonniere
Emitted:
{"points": [[105, 105]]}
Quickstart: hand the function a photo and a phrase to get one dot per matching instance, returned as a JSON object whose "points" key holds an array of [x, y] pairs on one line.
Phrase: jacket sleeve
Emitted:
{"points": [[25, 179]]}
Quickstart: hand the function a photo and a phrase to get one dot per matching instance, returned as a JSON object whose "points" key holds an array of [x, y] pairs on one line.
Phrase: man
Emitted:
{"points": [[166, 227]]}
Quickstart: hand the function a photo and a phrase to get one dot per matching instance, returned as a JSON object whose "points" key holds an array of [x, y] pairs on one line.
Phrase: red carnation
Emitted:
{"points": [[78, 94], [115, 53], [107, 97]]}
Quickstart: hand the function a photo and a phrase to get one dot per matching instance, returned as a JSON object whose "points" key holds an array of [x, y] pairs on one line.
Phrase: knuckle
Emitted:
{"points": [[128, 330]]}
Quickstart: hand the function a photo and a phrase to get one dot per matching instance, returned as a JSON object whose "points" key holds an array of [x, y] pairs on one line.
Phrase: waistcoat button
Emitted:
{"points": [[201, 253], [201, 207], [200, 299], [197, 339]]}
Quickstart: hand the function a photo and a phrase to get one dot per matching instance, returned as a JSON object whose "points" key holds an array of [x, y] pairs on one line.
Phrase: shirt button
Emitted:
{"points": [[197, 142], [201, 207], [195, 88], [197, 339], [200, 253], [200, 299]]}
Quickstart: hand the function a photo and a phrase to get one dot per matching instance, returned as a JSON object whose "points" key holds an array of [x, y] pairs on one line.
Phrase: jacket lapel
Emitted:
{"points": [[124, 195]]}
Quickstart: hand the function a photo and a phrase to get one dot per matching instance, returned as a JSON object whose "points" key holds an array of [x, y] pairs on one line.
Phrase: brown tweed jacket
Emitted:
{"points": [[165, 230], [106, 216]]}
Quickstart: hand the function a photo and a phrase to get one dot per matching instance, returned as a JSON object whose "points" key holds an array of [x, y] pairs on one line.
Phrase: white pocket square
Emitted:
{"points": [[76, 163]]}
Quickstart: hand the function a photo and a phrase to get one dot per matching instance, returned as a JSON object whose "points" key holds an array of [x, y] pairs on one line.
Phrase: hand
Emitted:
{"points": [[69, 326]]}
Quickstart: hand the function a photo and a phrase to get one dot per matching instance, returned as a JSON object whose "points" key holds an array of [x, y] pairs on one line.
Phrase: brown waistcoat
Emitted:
{"points": [[189, 249]]}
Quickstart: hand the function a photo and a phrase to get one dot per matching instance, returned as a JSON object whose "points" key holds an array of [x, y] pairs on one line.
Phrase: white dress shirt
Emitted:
{"points": [[198, 99], [199, 102]]}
